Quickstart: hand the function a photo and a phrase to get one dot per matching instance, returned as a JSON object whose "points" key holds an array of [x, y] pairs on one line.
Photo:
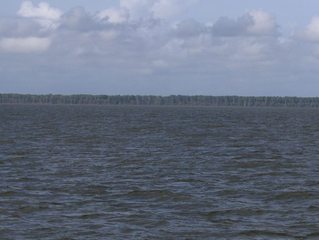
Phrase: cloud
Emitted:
{"points": [[263, 23], [116, 32], [80, 20], [170, 8], [137, 8], [19, 27], [311, 32], [255, 22], [46, 15], [114, 15], [24, 45], [228, 27], [189, 28], [145, 9], [141, 44]]}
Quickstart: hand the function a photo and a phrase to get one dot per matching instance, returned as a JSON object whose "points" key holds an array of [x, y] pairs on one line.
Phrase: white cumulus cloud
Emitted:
{"points": [[263, 22], [311, 32], [143, 9], [46, 15]]}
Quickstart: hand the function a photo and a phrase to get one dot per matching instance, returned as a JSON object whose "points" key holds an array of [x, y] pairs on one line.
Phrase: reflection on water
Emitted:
{"points": [[100, 172]]}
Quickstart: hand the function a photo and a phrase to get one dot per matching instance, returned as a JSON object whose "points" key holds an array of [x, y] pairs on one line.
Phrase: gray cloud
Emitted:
{"points": [[77, 19], [19, 27], [228, 27], [116, 53], [252, 23], [190, 28]]}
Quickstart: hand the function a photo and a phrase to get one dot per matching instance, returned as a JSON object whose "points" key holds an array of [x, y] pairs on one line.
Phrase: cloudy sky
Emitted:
{"points": [[161, 47]]}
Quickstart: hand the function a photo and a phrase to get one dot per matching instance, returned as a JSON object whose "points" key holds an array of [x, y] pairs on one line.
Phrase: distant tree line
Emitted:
{"points": [[161, 100]]}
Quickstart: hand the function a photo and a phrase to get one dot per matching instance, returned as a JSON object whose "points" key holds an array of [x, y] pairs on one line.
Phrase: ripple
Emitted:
{"points": [[293, 195], [160, 194], [264, 234], [235, 212], [91, 172]]}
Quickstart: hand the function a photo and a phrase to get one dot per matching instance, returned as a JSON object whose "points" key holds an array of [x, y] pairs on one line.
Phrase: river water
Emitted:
{"points": [[101, 172]]}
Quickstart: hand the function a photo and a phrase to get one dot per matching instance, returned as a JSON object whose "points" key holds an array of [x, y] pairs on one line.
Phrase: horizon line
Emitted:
{"points": [[155, 95]]}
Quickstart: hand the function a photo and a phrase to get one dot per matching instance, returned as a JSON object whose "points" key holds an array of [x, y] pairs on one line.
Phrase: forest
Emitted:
{"points": [[181, 100]]}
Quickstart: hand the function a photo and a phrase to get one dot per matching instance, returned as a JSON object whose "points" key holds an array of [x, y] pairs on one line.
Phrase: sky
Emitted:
{"points": [[160, 47]]}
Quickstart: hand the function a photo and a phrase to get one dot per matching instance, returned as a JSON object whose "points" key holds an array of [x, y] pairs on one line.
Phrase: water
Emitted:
{"points": [[97, 172]]}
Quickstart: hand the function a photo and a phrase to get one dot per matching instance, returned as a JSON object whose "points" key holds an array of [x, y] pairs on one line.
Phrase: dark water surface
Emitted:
{"points": [[96, 172]]}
